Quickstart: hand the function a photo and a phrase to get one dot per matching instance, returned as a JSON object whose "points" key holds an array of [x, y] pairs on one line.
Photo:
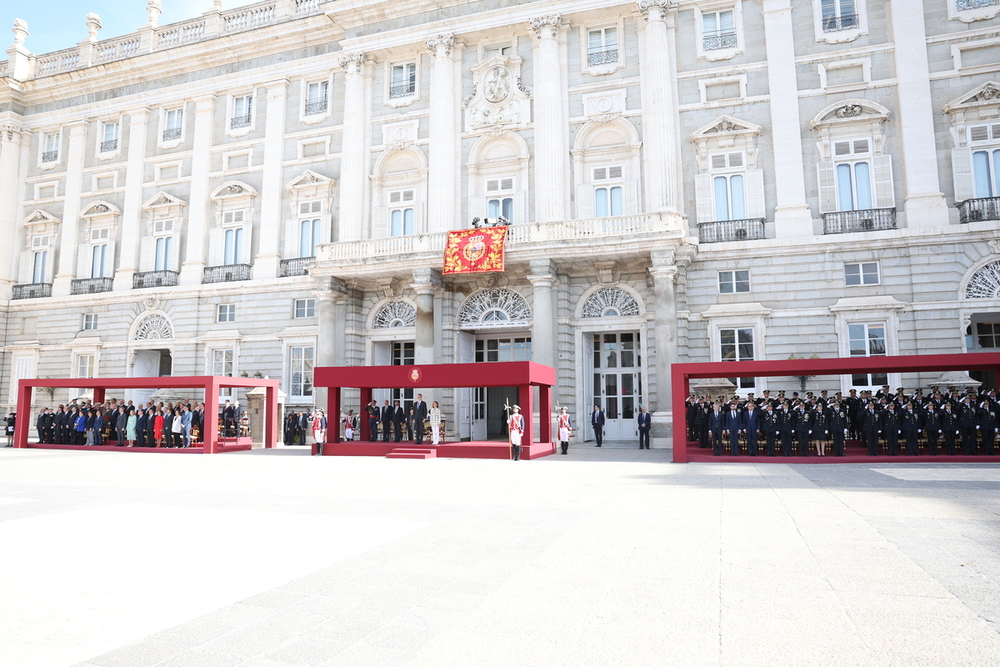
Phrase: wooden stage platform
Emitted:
{"points": [[478, 449]]}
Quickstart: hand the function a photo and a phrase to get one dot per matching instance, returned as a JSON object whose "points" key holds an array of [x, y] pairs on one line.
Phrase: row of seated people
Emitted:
{"points": [[883, 421]]}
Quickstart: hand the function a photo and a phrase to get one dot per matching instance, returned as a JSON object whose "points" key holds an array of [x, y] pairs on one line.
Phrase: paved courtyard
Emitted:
{"points": [[605, 557]]}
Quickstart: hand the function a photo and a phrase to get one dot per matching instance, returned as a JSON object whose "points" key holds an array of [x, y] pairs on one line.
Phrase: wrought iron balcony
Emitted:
{"points": [[294, 267], [241, 121], [91, 285], [50, 156], [723, 40], [402, 90], [731, 230], [33, 291], [974, 210], [605, 57], [315, 107], [226, 274], [145, 279], [839, 23], [109, 146], [965, 5], [870, 220], [171, 133]]}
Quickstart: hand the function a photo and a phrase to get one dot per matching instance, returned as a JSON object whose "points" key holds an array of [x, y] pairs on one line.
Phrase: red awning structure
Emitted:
{"points": [[521, 374], [682, 374], [209, 383]]}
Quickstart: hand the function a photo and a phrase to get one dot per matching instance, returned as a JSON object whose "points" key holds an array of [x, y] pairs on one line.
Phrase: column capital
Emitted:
{"points": [[546, 27], [275, 85], [441, 46], [426, 280], [138, 112], [541, 269], [10, 132], [663, 274], [331, 289], [205, 102], [353, 63], [655, 10]]}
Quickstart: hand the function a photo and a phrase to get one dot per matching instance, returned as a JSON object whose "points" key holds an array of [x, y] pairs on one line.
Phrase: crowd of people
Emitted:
{"points": [[148, 424], [386, 423], [940, 420]]}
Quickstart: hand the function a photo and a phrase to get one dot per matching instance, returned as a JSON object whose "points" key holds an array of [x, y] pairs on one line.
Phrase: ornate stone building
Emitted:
{"points": [[267, 188]]}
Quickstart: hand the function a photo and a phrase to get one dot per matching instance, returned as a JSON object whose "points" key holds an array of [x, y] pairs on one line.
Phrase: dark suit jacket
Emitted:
{"points": [[420, 410], [398, 416], [597, 418], [751, 420], [733, 420], [645, 419]]}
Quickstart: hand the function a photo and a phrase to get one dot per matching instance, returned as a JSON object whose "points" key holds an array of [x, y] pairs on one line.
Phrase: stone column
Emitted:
{"points": [[269, 249], [425, 283], [660, 118], [792, 216], [10, 159], [353, 165], [925, 204], [69, 238], [196, 231], [132, 207], [664, 272], [445, 135], [331, 306], [543, 318], [551, 151]]}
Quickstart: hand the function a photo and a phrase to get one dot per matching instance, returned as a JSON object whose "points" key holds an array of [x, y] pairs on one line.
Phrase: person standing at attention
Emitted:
{"points": [[645, 423], [515, 427], [565, 428], [597, 421], [434, 417]]}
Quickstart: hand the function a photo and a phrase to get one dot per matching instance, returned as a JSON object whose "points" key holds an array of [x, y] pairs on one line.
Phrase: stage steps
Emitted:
{"points": [[412, 453]]}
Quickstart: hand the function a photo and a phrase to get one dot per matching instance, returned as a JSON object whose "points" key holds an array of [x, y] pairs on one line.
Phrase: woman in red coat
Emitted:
{"points": [[158, 428]]}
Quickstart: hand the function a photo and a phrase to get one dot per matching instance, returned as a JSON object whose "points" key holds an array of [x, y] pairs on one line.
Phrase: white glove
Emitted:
{"points": [[810, 432], [845, 431], [940, 431]]}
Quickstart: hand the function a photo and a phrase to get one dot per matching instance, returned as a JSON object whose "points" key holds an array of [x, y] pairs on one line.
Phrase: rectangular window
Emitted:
{"points": [[301, 366], [90, 321], [305, 308], [401, 219], [867, 340], [501, 208], [85, 366], [865, 273], [51, 152], [402, 354], [854, 186], [173, 124], [988, 334], [986, 176], [491, 51], [730, 197], [226, 312], [602, 46], [404, 80], [737, 345], [309, 237], [718, 30], [233, 217], [839, 15], [164, 246], [109, 140], [242, 112], [503, 349], [234, 247], [608, 201], [734, 281], [222, 363], [39, 266], [99, 261], [316, 97]]}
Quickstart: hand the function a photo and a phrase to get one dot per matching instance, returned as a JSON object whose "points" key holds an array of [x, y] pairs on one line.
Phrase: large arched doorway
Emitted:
{"points": [[152, 335]]}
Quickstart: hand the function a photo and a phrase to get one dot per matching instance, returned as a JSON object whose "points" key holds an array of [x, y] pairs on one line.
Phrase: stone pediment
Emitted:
{"points": [[162, 199], [310, 179], [99, 209], [985, 95], [850, 111], [726, 125], [40, 217], [499, 98], [233, 190]]}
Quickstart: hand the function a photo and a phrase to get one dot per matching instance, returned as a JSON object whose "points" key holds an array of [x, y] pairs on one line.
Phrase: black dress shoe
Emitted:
{"points": [[596, 445]]}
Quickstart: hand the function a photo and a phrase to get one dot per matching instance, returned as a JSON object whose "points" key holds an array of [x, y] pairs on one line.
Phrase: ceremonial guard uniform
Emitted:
{"points": [[968, 423], [910, 426], [932, 427], [803, 429], [515, 428], [563, 427], [872, 428], [891, 429], [988, 427], [769, 427], [839, 426], [786, 427], [949, 428], [820, 430]]}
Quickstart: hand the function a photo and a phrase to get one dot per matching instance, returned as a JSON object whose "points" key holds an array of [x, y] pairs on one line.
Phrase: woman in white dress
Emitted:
{"points": [[434, 417]]}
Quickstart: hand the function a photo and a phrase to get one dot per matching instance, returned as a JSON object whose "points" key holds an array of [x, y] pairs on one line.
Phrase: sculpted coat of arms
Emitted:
{"points": [[498, 97]]}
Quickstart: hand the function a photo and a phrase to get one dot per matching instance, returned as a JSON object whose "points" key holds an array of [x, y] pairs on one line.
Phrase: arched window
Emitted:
{"points": [[499, 307], [610, 302], [153, 327], [985, 283], [394, 314]]}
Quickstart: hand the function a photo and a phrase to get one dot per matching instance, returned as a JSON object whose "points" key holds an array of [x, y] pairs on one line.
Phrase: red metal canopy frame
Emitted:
{"points": [[521, 374], [682, 374], [211, 384]]}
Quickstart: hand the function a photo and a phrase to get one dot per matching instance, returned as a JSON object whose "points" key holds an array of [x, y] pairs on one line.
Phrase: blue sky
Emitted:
{"points": [[60, 24]]}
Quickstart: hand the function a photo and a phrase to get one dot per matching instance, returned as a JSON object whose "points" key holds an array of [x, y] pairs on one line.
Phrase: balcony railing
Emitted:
{"points": [[50, 156], [226, 274], [294, 267], [870, 220], [965, 5], [402, 90], [317, 106], [605, 57], [108, 146], [841, 22], [974, 210], [146, 279], [33, 291], [731, 230], [241, 121], [724, 40], [91, 285], [171, 133]]}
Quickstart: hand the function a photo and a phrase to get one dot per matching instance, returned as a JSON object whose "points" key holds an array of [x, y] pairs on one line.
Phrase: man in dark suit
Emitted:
{"points": [[386, 418], [419, 417], [716, 425], [229, 420], [597, 421], [398, 421], [734, 424], [751, 424], [645, 423]]}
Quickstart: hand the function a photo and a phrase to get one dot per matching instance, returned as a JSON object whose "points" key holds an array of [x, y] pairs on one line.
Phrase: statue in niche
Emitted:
{"points": [[497, 85]]}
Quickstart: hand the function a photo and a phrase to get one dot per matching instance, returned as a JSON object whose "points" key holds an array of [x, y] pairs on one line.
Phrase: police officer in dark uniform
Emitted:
{"points": [[838, 427], [803, 428], [769, 427], [786, 427], [949, 426], [988, 427], [909, 424], [968, 424], [891, 429], [932, 427], [871, 428]]}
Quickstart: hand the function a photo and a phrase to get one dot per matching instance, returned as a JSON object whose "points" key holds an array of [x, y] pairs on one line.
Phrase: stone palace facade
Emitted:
{"points": [[265, 189]]}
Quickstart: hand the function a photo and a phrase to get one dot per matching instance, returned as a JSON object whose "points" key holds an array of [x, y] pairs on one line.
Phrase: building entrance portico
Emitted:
{"points": [[614, 362]]}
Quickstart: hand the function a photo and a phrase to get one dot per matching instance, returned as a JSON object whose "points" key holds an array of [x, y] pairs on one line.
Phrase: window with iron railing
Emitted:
{"points": [[839, 15], [242, 112], [718, 30], [316, 97], [602, 47], [404, 80]]}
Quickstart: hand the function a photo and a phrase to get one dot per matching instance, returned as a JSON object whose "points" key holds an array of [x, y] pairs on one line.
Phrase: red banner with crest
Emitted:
{"points": [[475, 250]]}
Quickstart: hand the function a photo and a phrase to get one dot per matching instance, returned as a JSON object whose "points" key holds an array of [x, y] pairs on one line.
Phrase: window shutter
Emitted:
{"points": [[291, 237], [719, 161], [584, 201], [754, 180], [27, 267], [884, 195], [630, 197], [380, 222], [84, 257], [246, 257], [216, 246], [147, 253], [175, 253], [842, 148], [600, 174], [507, 184], [736, 159], [614, 172], [979, 133], [827, 179], [961, 165], [477, 207], [492, 185], [703, 197]]}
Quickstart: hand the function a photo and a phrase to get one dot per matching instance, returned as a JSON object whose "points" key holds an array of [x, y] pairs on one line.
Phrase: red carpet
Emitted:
{"points": [[224, 445], [451, 450], [853, 453]]}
